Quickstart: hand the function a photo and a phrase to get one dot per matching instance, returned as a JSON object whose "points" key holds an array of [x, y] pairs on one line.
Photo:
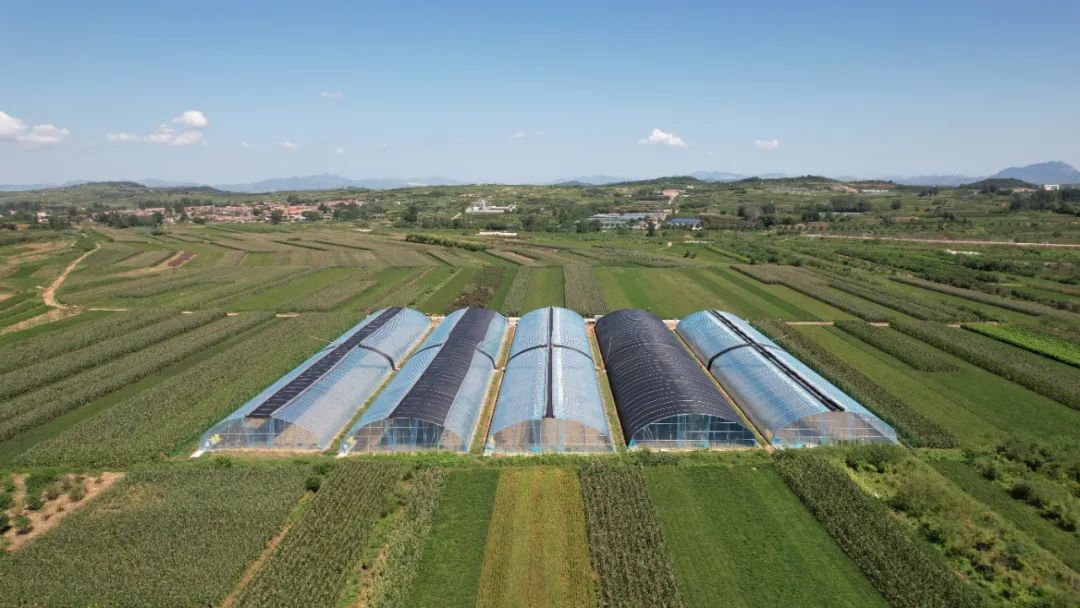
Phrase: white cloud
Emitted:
{"points": [[288, 145], [10, 127], [166, 133], [658, 137], [519, 135], [192, 118], [44, 135], [339, 149], [244, 144], [38, 136], [186, 138], [767, 144], [123, 137], [332, 95]]}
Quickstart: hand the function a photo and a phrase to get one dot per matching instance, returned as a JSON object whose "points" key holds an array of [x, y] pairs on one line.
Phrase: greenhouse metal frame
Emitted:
{"points": [[663, 397], [308, 407], [434, 402], [789, 403], [550, 398]]}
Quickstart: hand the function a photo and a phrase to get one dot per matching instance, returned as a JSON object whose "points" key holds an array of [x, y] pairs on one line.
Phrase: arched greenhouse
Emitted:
{"points": [[434, 401], [307, 408], [664, 399], [550, 397], [789, 403]]}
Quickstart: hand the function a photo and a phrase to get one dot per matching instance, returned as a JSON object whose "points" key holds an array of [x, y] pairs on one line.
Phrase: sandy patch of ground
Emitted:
{"points": [[55, 510], [46, 317], [815, 323]]}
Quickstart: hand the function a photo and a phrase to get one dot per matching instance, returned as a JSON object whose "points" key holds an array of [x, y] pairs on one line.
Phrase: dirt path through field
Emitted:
{"points": [[912, 239], [50, 292]]}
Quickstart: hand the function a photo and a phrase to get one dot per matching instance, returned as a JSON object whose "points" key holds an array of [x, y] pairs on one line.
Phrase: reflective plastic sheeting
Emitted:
{"points": [[789, 403], [550, 398], [434, 402], [313, 417]]}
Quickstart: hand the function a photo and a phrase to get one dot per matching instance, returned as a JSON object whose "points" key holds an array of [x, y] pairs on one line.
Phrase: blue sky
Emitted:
{"points": [[540, 91]]}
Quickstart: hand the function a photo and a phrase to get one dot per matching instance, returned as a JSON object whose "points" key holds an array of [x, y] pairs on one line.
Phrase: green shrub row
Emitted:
{"points": [[627, 545], [974, 296], [916, 429], [914, 353], [427, 239], [798, 280], [904, 571], [902, 302], [1051, 379]]}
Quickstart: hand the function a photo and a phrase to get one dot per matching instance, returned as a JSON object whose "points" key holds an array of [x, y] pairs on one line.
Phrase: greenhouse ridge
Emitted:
{"points": [[549, 399]]}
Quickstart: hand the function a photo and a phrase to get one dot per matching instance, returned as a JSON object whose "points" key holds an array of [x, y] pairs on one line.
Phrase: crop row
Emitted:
{"points": [[801, 282], [55, 343], [56, 368], [173, 412], [534, 503], [627, 545], [974, 296], [582, 290], [1037, 342], [405, 544], [331, 296], [637, 257], [1051, 379], [313, 561], [33, 408], [147, 259], [167, 282], [250, 283], [916, 429], [924, 309], [194, 529], [904, 571], [519, 292], [917, 355]]}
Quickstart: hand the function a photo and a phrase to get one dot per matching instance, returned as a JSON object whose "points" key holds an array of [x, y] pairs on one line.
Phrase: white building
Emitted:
{"points": [[482, 206], [1051, 187]]}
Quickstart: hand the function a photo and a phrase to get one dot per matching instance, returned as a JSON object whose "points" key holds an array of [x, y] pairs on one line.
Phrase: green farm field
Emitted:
{"points": [[121, 347], [725, 526]]}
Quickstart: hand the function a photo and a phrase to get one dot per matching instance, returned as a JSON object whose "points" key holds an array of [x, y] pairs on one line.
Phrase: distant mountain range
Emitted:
{"points": [[281, 184], [1053, 172], [705, 176]]}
